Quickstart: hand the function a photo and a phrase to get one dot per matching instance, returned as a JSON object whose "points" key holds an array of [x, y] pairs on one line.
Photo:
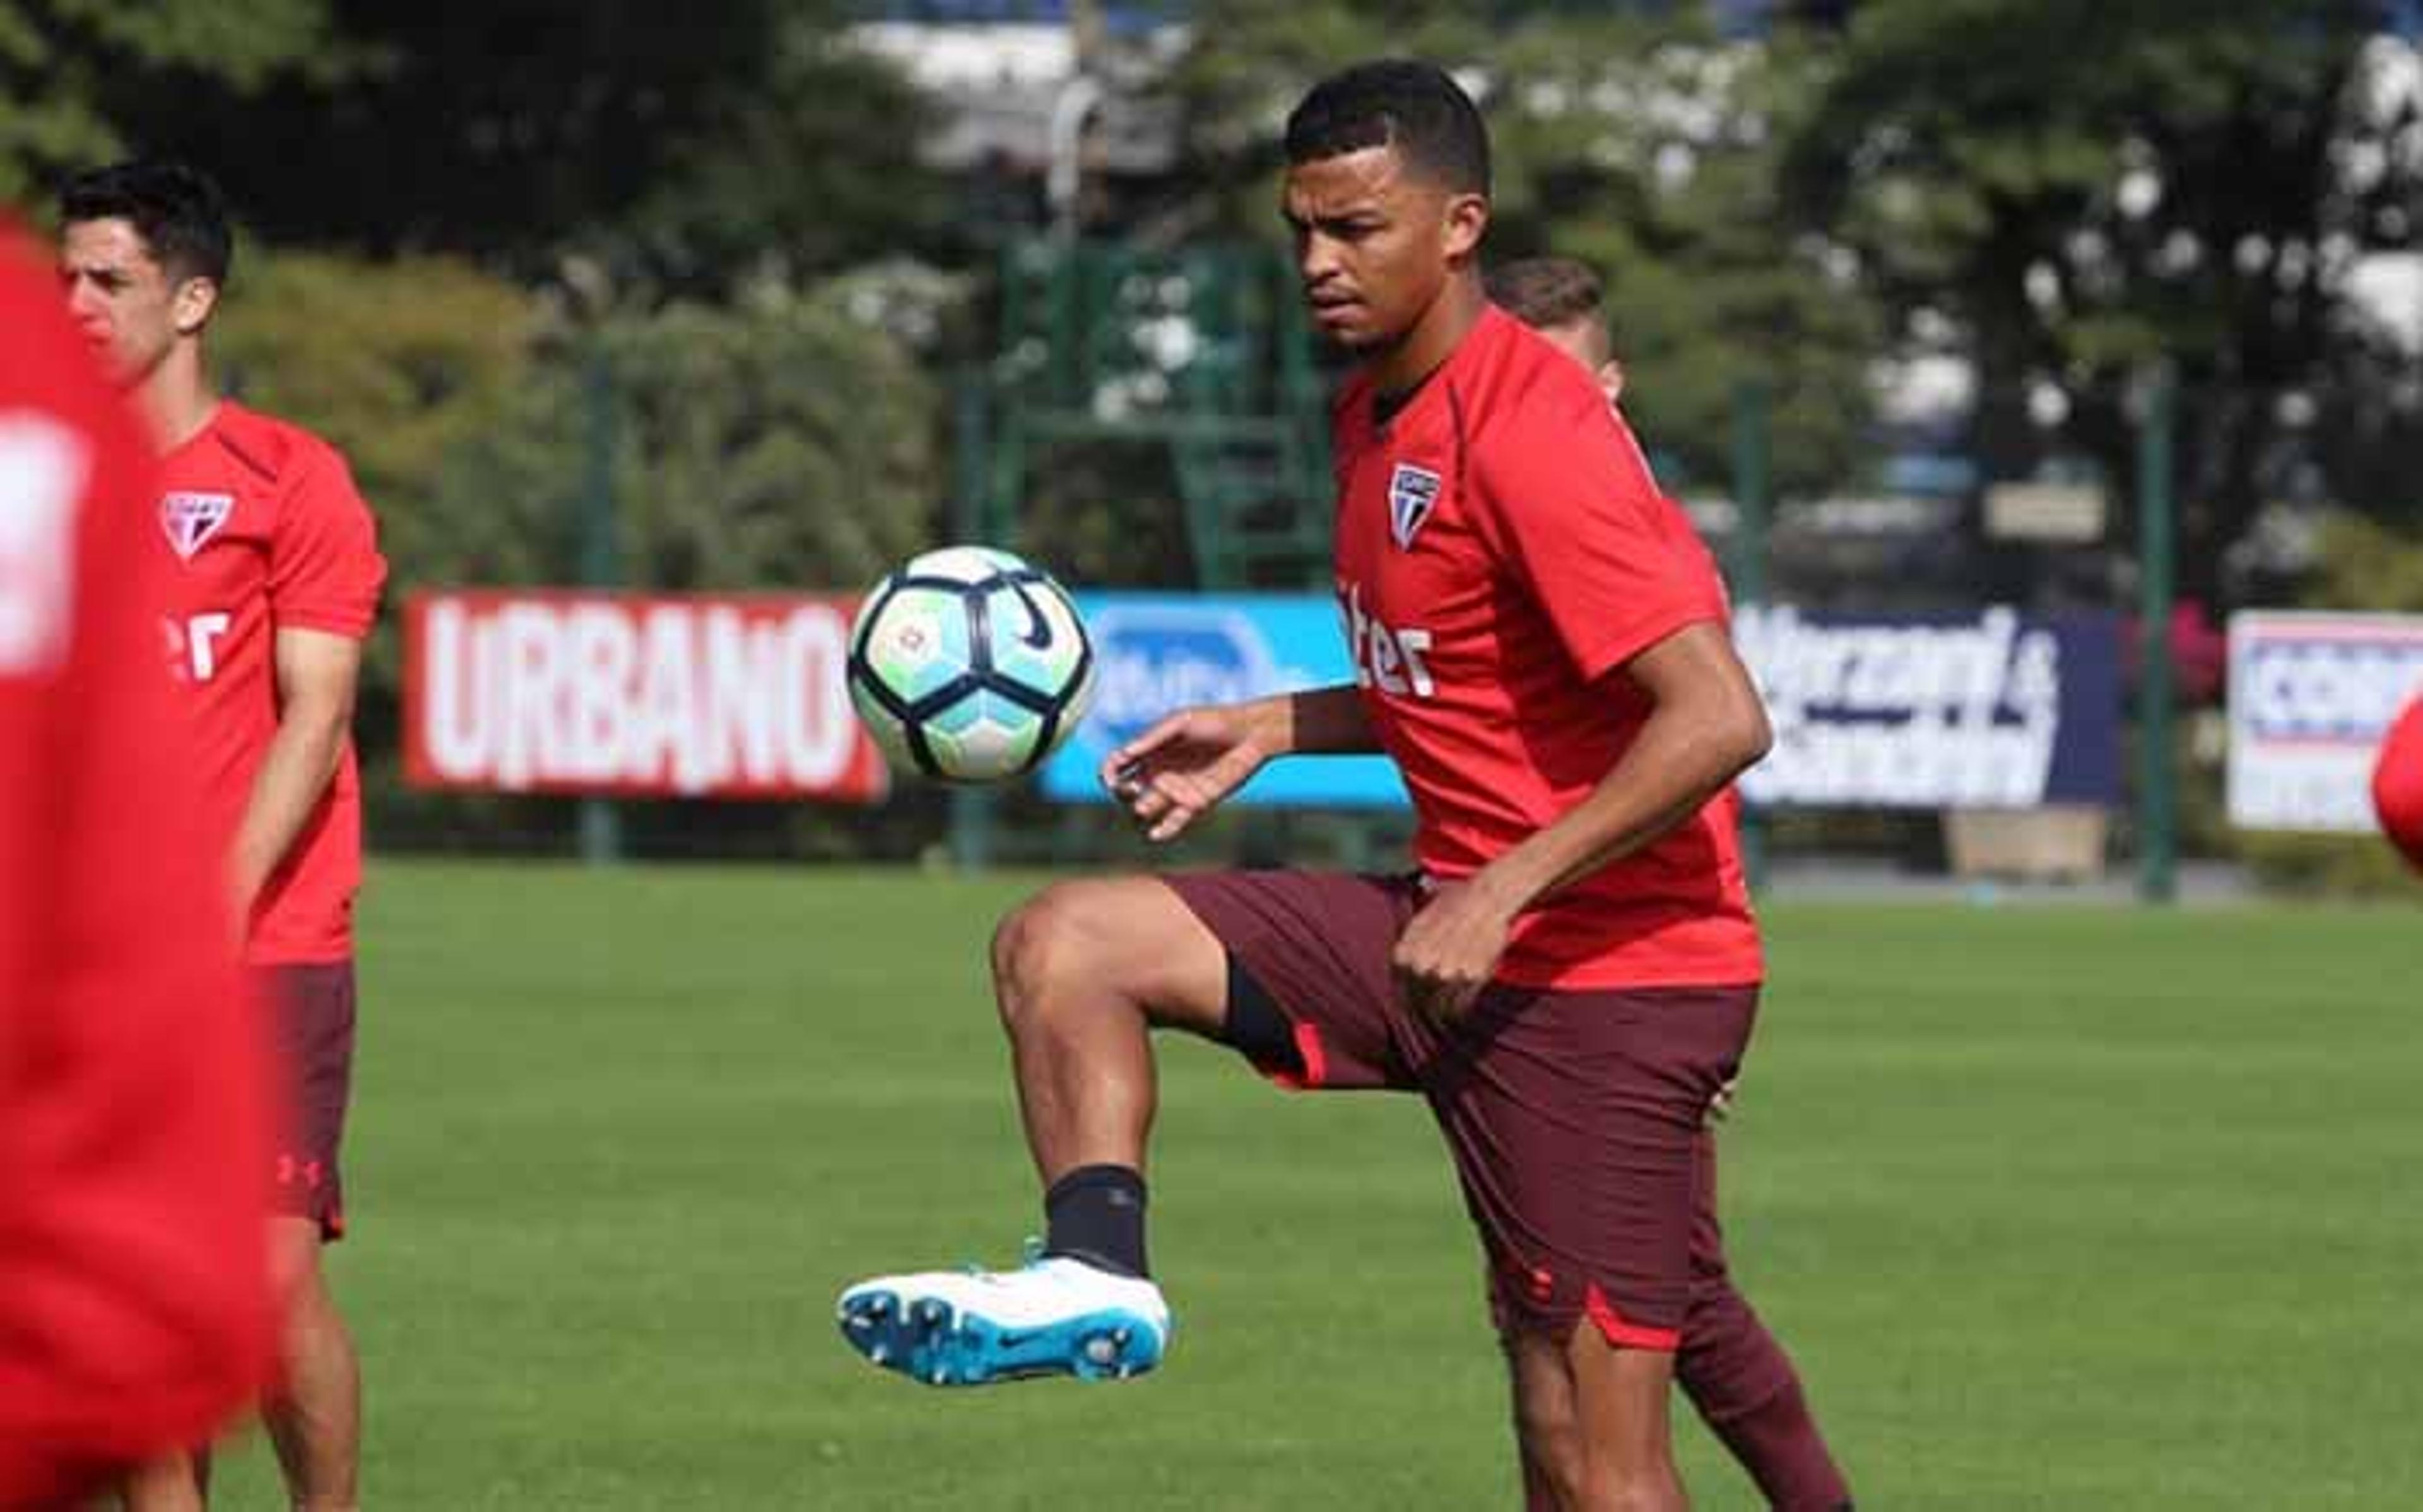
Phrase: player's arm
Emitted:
{"points": [[1706, 725], [317, 675], [1184, 765]]}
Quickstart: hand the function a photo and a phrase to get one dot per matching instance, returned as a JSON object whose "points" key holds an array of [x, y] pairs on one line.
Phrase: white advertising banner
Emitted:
{"points": [[2310, 696]]}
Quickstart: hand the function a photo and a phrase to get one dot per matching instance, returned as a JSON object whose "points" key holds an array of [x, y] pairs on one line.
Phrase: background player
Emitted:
{"points": [[1562, 299], [273, 577], [1737, 1374], [133, 1304], [2398, 783], [1573, 974]]}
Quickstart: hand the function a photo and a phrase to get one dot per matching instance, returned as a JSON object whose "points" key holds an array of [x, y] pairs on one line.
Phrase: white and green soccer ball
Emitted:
{"points": [[969, 665]]}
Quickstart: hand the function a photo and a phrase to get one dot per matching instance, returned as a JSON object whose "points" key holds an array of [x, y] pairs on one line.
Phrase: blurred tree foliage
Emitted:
{"points": [[68, 67], [1633, 137], [684, 149], [2065, 190], [782, 442]]}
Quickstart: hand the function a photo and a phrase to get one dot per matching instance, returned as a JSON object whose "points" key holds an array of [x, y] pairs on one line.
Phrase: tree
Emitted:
{"points": [[1633, 137], [682, 149], [66, 64], [2078, 189]]}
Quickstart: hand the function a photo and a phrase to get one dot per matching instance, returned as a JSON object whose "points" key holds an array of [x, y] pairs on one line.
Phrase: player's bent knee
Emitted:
{"points": [[1050, 942]]}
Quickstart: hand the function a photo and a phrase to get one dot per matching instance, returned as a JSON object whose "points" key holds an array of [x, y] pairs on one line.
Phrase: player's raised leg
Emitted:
{"points": [[1083, 972]]}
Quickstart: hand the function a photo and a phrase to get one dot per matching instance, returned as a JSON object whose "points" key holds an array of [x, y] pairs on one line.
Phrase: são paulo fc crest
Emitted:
{"points": [[1413, 493], [192, 519]]}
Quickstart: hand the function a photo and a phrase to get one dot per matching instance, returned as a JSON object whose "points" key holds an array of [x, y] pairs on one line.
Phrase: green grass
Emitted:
{"points": [[2058, 1208]]}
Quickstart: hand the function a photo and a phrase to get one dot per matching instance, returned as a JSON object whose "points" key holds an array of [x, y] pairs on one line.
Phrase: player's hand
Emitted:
{"points": [[1179, 769], [1449, 951], [1720, 1107]]}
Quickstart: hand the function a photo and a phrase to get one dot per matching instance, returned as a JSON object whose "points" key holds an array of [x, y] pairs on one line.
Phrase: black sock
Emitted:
{"points": [[1096, 1214]]}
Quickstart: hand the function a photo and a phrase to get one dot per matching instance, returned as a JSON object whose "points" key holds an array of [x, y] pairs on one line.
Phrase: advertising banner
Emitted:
{"points": [[691, 695], [2310, 697], [1986, 709], [1159, 653]]}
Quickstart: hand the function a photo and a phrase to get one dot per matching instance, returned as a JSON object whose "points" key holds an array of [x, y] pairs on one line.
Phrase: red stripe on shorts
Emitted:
{"points": [[1623, 1335]]}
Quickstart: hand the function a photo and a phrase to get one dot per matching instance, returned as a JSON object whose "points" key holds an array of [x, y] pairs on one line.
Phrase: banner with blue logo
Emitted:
{"points": [[1159, 653], [2310, 697], [1983, 709]]}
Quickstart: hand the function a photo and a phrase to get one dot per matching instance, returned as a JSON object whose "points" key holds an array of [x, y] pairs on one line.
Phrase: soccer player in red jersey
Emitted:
{"points": [[134, 1295], [273, 577], [1571, 973], [2398, 783], [1733, 1369]]}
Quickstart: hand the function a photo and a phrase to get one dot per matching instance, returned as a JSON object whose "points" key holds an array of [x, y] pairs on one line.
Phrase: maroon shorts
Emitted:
{"points": [[311, 1010], [1574, 1117]]}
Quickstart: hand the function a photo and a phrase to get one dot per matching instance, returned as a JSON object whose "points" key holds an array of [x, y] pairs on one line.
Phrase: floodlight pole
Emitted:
{"points": [[601, 822], [2157, 572]]}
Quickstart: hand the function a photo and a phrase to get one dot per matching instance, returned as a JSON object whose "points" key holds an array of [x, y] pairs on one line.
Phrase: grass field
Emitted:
{"points": [[2058, 1208]]}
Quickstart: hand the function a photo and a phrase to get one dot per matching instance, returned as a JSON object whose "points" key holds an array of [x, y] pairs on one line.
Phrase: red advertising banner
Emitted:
{"points": [[543, 690]]}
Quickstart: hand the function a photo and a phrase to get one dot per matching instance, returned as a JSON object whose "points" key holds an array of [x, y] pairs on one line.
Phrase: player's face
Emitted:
{"points": [[1375, 243], [129, 308], [1585, 341]]}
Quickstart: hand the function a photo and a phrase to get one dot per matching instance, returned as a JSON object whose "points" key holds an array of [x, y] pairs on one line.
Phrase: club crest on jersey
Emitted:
{"points": [[1413, 493], [192, 519]]}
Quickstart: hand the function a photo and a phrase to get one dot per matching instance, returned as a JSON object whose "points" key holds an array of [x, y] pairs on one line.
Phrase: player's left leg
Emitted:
{"points": [[174, 1483], [1620, 1405], [1574, 1119], [1548, 1421], [314, 1415]]}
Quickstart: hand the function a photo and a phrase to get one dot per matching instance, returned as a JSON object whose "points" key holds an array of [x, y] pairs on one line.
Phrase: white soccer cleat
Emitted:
{"points": [[1054, 1317]]}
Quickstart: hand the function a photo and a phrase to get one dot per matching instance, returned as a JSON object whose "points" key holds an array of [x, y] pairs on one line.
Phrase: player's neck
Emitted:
{"points": [[177, 400], [1401, 369]]}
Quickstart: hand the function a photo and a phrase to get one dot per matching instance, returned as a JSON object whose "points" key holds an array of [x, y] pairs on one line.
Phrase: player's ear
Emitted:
{"points": [[1467, 220], [1610, 380], [195, 301]]}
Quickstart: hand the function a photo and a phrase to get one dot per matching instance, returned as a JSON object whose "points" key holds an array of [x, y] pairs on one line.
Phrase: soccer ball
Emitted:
{"points": [[969, 665]]}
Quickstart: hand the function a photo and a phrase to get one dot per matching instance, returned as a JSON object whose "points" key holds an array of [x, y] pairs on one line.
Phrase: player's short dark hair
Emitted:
{"points": [[1415, 107], [177, 210], [1546, 293]]}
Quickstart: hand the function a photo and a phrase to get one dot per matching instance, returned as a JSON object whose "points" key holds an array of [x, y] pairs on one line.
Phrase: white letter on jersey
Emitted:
{"points": [[43, 467], [202, 632], [1389, 659]]}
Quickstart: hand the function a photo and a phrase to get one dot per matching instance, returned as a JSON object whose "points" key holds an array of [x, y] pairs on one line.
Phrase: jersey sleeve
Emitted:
{"points": [[324, 567], [1570, 501]]}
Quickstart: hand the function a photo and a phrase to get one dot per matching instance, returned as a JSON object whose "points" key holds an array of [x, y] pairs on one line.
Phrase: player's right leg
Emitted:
{"points": [[1082, 973]]}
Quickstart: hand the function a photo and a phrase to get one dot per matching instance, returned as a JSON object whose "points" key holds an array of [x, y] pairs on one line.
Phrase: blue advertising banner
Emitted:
{"points": [[1158, 653], [1986, 709]]}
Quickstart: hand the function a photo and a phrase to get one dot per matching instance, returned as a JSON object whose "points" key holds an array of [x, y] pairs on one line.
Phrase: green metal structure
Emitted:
{"points": [[2157, 572], [1202, 351]]}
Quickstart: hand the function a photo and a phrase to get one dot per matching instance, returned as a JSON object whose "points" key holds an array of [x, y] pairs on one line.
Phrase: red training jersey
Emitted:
{"points": [[133, 1308], [1502, 552], [264, 530], [2398, 783]]}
